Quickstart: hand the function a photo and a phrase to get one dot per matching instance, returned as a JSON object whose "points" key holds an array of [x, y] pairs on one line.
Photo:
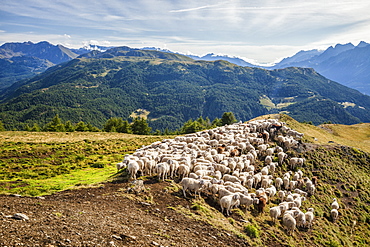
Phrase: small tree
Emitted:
{"points": [[92, 128], [217, 122], [35, 128], [81, 126], [191, 127], [27, 128], [69, 126], [55, 125], [117, 125], [228, 118], [140, 126], [125, 127]]}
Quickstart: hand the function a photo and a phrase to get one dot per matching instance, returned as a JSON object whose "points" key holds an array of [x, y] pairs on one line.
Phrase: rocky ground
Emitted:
{"points": [[107, 216]]}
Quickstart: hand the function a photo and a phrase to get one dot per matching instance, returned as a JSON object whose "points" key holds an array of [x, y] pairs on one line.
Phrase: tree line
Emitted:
{"points": [[139, 126]]}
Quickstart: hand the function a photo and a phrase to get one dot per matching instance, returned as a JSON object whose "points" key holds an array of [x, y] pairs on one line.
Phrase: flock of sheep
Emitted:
{"points": [[236, 165]]}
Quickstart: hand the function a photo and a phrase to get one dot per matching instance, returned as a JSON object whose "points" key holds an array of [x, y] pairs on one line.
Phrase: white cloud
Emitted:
{"points": [[263, 30]]}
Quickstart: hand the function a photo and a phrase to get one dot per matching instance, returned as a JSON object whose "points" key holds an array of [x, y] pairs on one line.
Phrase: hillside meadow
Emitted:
{"points": [[34, 164], [38, 163]]}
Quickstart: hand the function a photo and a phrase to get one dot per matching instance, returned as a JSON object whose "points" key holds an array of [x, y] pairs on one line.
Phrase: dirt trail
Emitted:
{"points": [[106, 216]]}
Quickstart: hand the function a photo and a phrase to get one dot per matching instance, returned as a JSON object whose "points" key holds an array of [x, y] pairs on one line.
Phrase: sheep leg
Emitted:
{"points": [[183, 190]]}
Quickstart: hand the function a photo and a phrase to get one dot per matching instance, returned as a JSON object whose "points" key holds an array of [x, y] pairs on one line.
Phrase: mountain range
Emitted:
{"points": [[346, 64], [170, 89], [23, 60]]}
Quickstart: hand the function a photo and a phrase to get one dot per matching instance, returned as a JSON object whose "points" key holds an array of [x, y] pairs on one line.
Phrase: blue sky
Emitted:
{"points": [[258, 30]]}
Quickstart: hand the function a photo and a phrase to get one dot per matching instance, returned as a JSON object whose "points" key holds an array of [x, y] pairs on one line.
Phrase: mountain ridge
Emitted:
{"points": [[174, 89], [354, 78]]}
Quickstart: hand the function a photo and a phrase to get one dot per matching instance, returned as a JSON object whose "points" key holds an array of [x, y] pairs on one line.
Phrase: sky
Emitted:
{"points": [[259, 31]]}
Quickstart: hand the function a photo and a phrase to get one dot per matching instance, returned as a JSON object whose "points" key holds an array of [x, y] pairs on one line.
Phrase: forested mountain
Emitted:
{"points": [[171, 89], [23, 60], [346, 64]]}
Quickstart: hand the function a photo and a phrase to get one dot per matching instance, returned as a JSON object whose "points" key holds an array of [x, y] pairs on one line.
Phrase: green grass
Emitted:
{"points": [[42, 163], [39, 187]]}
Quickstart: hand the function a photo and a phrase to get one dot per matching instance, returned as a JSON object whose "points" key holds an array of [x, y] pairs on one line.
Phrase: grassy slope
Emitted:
{"points": [[37, 163], [343, 172], [357, 135]]}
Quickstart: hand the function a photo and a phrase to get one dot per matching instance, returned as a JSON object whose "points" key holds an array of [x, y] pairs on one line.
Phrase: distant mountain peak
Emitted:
{"points": [[362, 44]]}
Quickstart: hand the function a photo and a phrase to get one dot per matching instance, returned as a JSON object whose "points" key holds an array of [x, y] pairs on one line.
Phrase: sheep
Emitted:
{"points": [[334, 214], [300, 218], [335, 204], [301, 192], [293, 162], [289, 222], [289, 197], [246, 200], [231, 178], [173, 166], [183, 171], [121, 165], [275, 212], [311, 189], [162, 170], [268, 160], [270, 151], [149, 167], [265, 170], [249, 182], [286, 183], [281, 157], [222, 191], [133, 168], [192, 185], [278, 183], [281, 195], [227, 202], [262, 201], [272, 167], [271, 191], [309, 217]]}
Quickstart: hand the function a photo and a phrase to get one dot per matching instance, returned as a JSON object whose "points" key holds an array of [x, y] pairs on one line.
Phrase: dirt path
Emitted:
{"points": [[106, 216]]}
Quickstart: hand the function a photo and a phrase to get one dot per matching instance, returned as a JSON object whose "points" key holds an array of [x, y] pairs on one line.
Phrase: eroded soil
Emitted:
{"points": [[107, 216]]}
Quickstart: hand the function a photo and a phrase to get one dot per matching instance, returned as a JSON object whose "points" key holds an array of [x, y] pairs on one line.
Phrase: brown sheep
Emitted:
{"points": [[221, 149], [235, 152], [261, 204]]}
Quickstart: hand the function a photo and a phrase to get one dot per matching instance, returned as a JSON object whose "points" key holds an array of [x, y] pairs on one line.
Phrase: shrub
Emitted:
{"points": [[251, 231], [98, 165]]}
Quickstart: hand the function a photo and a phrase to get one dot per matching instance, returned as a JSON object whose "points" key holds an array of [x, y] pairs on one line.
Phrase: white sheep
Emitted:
{"points": [[275, 212], [173, 167], [278, 183], [335, 204], [231, 178], [121, 165], [162, 169], [300, 218], [268, 160], [183, 171], [246, 200], [293, 162], [281, 195], [227, 202], [133, 168], [149, 167], [191, 184], [289, 222], [334, 214], [309, 217]]}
